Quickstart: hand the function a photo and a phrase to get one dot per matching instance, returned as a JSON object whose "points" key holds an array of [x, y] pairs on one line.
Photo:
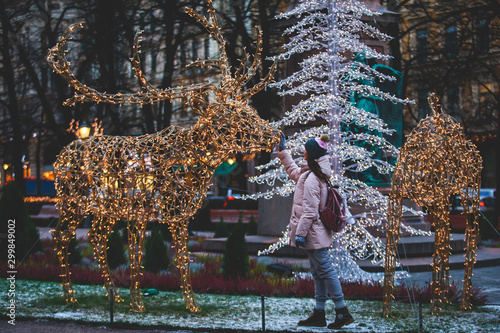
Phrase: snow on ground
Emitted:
{"points": [[36, 299]]}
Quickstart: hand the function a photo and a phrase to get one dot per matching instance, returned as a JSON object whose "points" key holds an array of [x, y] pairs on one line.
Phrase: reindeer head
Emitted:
{"points": [[225, 113], [229, 117]]}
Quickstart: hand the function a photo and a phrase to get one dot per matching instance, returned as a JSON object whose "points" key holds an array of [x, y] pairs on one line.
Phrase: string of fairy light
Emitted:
{"points": [[437, 161], [162, 176], [332, 29]]}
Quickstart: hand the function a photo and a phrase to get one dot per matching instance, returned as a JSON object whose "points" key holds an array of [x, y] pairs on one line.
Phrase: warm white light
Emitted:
{"points": [[83, 131], [436, 162], [162, 176]]}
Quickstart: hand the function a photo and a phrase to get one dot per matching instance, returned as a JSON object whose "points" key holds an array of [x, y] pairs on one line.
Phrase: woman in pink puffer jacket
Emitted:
{"points": [[307, 231]]}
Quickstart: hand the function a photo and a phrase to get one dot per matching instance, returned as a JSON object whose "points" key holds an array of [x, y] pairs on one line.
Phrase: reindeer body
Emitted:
{"points": [[138, 170], [128, 178], [163, 176], [435, 162]]}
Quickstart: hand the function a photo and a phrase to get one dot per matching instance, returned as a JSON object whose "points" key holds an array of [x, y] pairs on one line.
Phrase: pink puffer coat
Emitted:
{"points": [[310, 196]]}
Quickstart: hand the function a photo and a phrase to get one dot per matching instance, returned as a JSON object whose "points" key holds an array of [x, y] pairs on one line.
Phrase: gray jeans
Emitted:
{"points": [[327, 283]]}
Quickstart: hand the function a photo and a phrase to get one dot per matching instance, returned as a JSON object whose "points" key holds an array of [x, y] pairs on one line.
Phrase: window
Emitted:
{"points": [[183, 54], [453, 107], [194, 49], [207, 47], [451, 41], [422, 43], [483, 36], [154, 55], [423, 104], [486, 101]]}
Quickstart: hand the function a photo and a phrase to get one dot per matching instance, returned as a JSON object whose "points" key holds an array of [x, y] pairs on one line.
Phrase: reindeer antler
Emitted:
{"points": [[149, 94], [57, 60], [214, 31], [243, 73], [433, 100]]}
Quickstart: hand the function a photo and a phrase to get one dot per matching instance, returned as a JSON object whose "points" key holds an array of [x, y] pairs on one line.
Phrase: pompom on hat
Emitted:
{"points": [[316, 147]]}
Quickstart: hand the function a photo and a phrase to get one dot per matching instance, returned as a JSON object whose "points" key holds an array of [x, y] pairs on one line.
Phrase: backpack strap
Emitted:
{"points": [[328, 184]]}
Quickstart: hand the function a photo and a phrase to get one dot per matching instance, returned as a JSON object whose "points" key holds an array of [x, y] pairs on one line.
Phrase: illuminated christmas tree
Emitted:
{"points": [[337, 78]]}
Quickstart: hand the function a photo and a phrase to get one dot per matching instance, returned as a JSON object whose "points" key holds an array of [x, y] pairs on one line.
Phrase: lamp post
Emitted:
{"points": [[83, 131]]}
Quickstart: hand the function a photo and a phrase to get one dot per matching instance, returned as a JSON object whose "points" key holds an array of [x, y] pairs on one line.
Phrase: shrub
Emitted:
{"points": [[221, 229], [75, 255], [165, 231], [156, 255], [13, 208], [115, 251], [252, 226], [236, 260]]}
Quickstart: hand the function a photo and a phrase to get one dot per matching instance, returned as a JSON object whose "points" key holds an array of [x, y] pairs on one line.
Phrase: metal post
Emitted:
{"points": [[111, 298], [263, 307], [420, 313], [334, 123]]}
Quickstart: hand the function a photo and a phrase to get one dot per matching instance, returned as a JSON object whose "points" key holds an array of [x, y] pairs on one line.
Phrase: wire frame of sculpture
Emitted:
{"points": [[162, 176], [436, 161]]}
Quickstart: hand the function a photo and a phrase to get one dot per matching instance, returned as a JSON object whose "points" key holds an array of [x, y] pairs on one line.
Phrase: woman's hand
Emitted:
{"points": [[300, 241]]}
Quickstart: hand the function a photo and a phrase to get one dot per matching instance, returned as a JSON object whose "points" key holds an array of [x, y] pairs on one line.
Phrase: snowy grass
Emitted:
{"points": [[35, 299]]}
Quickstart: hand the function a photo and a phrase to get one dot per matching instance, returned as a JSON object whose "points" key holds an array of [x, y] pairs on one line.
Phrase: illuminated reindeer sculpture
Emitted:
{"points": [[436, 161], [162, 176]]}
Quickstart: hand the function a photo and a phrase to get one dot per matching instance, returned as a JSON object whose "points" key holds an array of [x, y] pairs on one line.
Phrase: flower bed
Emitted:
{"points": [[209, 279]]}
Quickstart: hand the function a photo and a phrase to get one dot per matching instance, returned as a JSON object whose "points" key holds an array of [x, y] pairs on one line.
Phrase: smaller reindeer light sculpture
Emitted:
{"points": [[162, 176], [435, 162]]}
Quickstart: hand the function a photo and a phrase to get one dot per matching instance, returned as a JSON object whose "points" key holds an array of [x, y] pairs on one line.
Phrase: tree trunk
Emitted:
{"points": [[12, 105]]}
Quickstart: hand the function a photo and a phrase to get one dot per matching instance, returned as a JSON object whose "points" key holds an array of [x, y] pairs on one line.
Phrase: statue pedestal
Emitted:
{"points": [[274, 215], [417, 222]]}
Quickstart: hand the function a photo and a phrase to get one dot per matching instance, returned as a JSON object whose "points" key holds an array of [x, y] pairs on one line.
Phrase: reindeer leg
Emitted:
{"points": [[62, 234], [471, 233], [440, 266], [394, 213], [98, 236], [136, 232], [179, 236], [436, 285]]}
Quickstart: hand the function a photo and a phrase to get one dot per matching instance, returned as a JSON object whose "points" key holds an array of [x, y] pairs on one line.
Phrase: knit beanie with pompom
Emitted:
{"points": [[316, 147]]}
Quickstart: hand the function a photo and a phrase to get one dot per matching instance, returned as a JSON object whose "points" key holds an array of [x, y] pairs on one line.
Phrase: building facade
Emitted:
{"points": [[452, 48]]}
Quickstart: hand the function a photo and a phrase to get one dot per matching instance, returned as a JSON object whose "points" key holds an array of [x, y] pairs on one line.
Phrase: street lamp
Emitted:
{"points": [[84, 131]]}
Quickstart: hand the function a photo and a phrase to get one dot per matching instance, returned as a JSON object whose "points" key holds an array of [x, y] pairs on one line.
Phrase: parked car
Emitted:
{"points": [[486, 200], [232, 201]]}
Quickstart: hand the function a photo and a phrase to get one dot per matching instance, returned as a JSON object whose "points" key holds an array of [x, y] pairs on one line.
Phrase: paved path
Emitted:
{"points": [[486, 278]]}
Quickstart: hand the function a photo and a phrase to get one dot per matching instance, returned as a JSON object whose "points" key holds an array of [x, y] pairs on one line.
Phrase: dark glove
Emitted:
{"points": [[282, 142], [300, 241]]}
